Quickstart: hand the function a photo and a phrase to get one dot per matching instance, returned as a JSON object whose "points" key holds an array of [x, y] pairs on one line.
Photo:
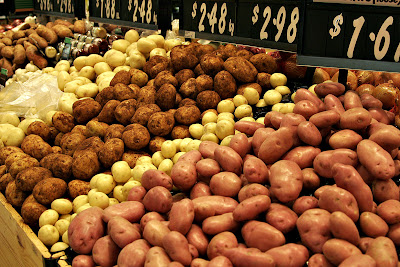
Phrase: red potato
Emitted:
{"points": [[259, 137], [333, 103], [383, 251], [130, 210], [217, 224], [286, 180], [304, 94], [250, 208], [306, 108], [262, 235], [273, 119], [289, 255], [334, 88], [313, 227], [302, 155], [192, 156], [177, 247], [207, 149], [83, 261], [181, 216], [358, 261], [345, 139], [304, 203], [389, 211], [352, 100], [384, 190], [325, 119], [337, 250], [149, 216], [225, 184], [318, 192], [375, 159], [394, 233], [276, 145], [325, 160], [311, 180], [175, 264], [251, 190], [281, 217], [184, 175], [154, 232], [137, 193], [309, 133], [248, 127], [199, 262], [369, 101], [372, 225], [338, 199], [220, 261], [200, 189], [255, 170], [348, 178], [157, 257], [139, 248], [387, 137], [240, 144], [228, 159], [342, 227], [355, 119], [319, 260], [243, 257], [365, 174], [380, 115], [292, 121], [213, 205], [206, 168], [152, 178], [198, 239], [220, 243], [122, 231], [105, 252], [158, 199], [85, 229]]}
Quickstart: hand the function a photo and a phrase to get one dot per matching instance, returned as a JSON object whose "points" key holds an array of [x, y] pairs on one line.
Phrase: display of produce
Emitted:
{"points": [[170, 153]]}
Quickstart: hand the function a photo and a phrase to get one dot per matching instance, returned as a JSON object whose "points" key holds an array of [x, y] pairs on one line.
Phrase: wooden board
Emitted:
{"points": [[19, 245]]}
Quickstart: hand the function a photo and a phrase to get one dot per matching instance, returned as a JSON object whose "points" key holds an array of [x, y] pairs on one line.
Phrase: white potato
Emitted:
{"points": [[247, 119], [66, 101], [66, 217], [225, 106], [184, 143], [115, 58], [272, 97], [193, 145], [101, 67], [47, 70], [210, 137], [105, 183], [10, 118], [99, 199], [260, 120], [62, 206], [54, 73], [251, 95], [226, 115], [226, 118], [209, 117], [83, 207], [11, 135], [158, 39], [168, 149], [292, 96], [261, 103], [157, 158], [145, 45], [277, 79], [79, 201], [312, 89], [144, 160], [132, 46], [49, 216], [70, 87], [93, 180], [91, 192], [112, 201], [88, 72], [72, 69], [121, 171], [226, 141], [128, 186], [196, 130], [171, 43], [59, 246], [87, 90], [224, 128], [62, 78], [121, 45], [177, 156], [104, 75], [48, 234], [239, 100], [2, 144], [83, 79], [62, 65], [119, 68], [158, 52], [74, 74], [104, 83], [277, 107], [64, 238], [166, 166], [62, 226], [210, 128], [282, 89], [287, 108], [177, 143], [93, 59], [24, 124], [136, 59], [138, 170], [117, 193], [132, 36]]}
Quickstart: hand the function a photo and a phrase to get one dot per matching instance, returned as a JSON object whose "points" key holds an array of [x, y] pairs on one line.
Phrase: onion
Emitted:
{"points": [[331, 71], [364, 77], [395, 77], [381, 77], [365, 89], [352, 82], [320, 76], [387, 93]]}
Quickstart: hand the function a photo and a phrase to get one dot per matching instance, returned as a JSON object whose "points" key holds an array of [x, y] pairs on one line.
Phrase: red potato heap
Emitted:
{"points": [[240, 205]]}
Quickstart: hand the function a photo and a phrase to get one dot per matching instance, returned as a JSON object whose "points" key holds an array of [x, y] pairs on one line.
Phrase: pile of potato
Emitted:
{"points": [[241, 189]]}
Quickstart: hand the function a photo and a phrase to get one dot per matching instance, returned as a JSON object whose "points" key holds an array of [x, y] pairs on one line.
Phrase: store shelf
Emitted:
{"points": [[19, 245]]}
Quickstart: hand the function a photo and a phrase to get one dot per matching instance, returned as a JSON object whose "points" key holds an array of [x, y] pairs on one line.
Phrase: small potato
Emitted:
{"points": [[239, 100], [168, 149], [337, 199], [261, 235], [243, 111], [137, 171], [59, 246], [209, 117], [49, 216], [283, 90], [251, 95], [87, 90], [209, 128], [283, 255], [99, 199], [158, 199], [79, 201], [121, 171], [62, 206], [196, 130], [48, 234], [166, 166], [225, 184], [105, 183], [62, 226], [224, 128], [226, 106], [272, 97], [157, 158]]}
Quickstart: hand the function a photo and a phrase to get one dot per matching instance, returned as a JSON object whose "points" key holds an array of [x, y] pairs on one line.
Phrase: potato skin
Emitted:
{"points": [[211, 64], [77, 188], [207, 100], [177, 247], [282, 255], [111, 152], [143, 113], [6, 151], [180, 132], [332, 246], [345, 139], [281, 217], [154, 232], [187, 115], [28, 178], [389, 211], [160, 123], [181, 216], [130, 210], [383, 251], [166, 96], [333, 88], [158, 199], [85, 230], [139, 248], [85, 109], [262, 235], [136, 136], [31, 211], [249, 208], [105, 251], [325, 160], [35, 146], [241, 69], [225, 184], [355, 119], [15, 196], [153, 178], [302, 155], [283, 188], [49, 189], [70, 142], [85, 165], [63, 121], [220, 243], [41, 129], [273, 148], [217, 205], [342, 227], [225, 85]]}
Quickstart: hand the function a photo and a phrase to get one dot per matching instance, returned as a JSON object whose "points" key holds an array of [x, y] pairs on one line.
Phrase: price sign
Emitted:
{"points": [[107, 9], [43, 5], [64, 6], [351, 36], [274, 21], [140, 11]]}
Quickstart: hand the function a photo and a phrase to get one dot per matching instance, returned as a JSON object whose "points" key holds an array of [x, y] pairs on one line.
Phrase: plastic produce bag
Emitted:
{"points": [[33, 98]]}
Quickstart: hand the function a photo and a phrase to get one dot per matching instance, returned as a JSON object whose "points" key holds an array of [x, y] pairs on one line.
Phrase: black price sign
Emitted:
{"points": [[140, 11], [362, 36], [274, 21], [64, 6], [107, 9], [43, 5]]}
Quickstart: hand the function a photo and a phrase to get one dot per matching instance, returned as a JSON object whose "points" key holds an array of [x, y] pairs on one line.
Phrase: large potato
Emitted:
{"points": [[286, 180], [129, 210], [281, 217], [262, 235], [383, 251], [122, 231], [181, 216]]}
